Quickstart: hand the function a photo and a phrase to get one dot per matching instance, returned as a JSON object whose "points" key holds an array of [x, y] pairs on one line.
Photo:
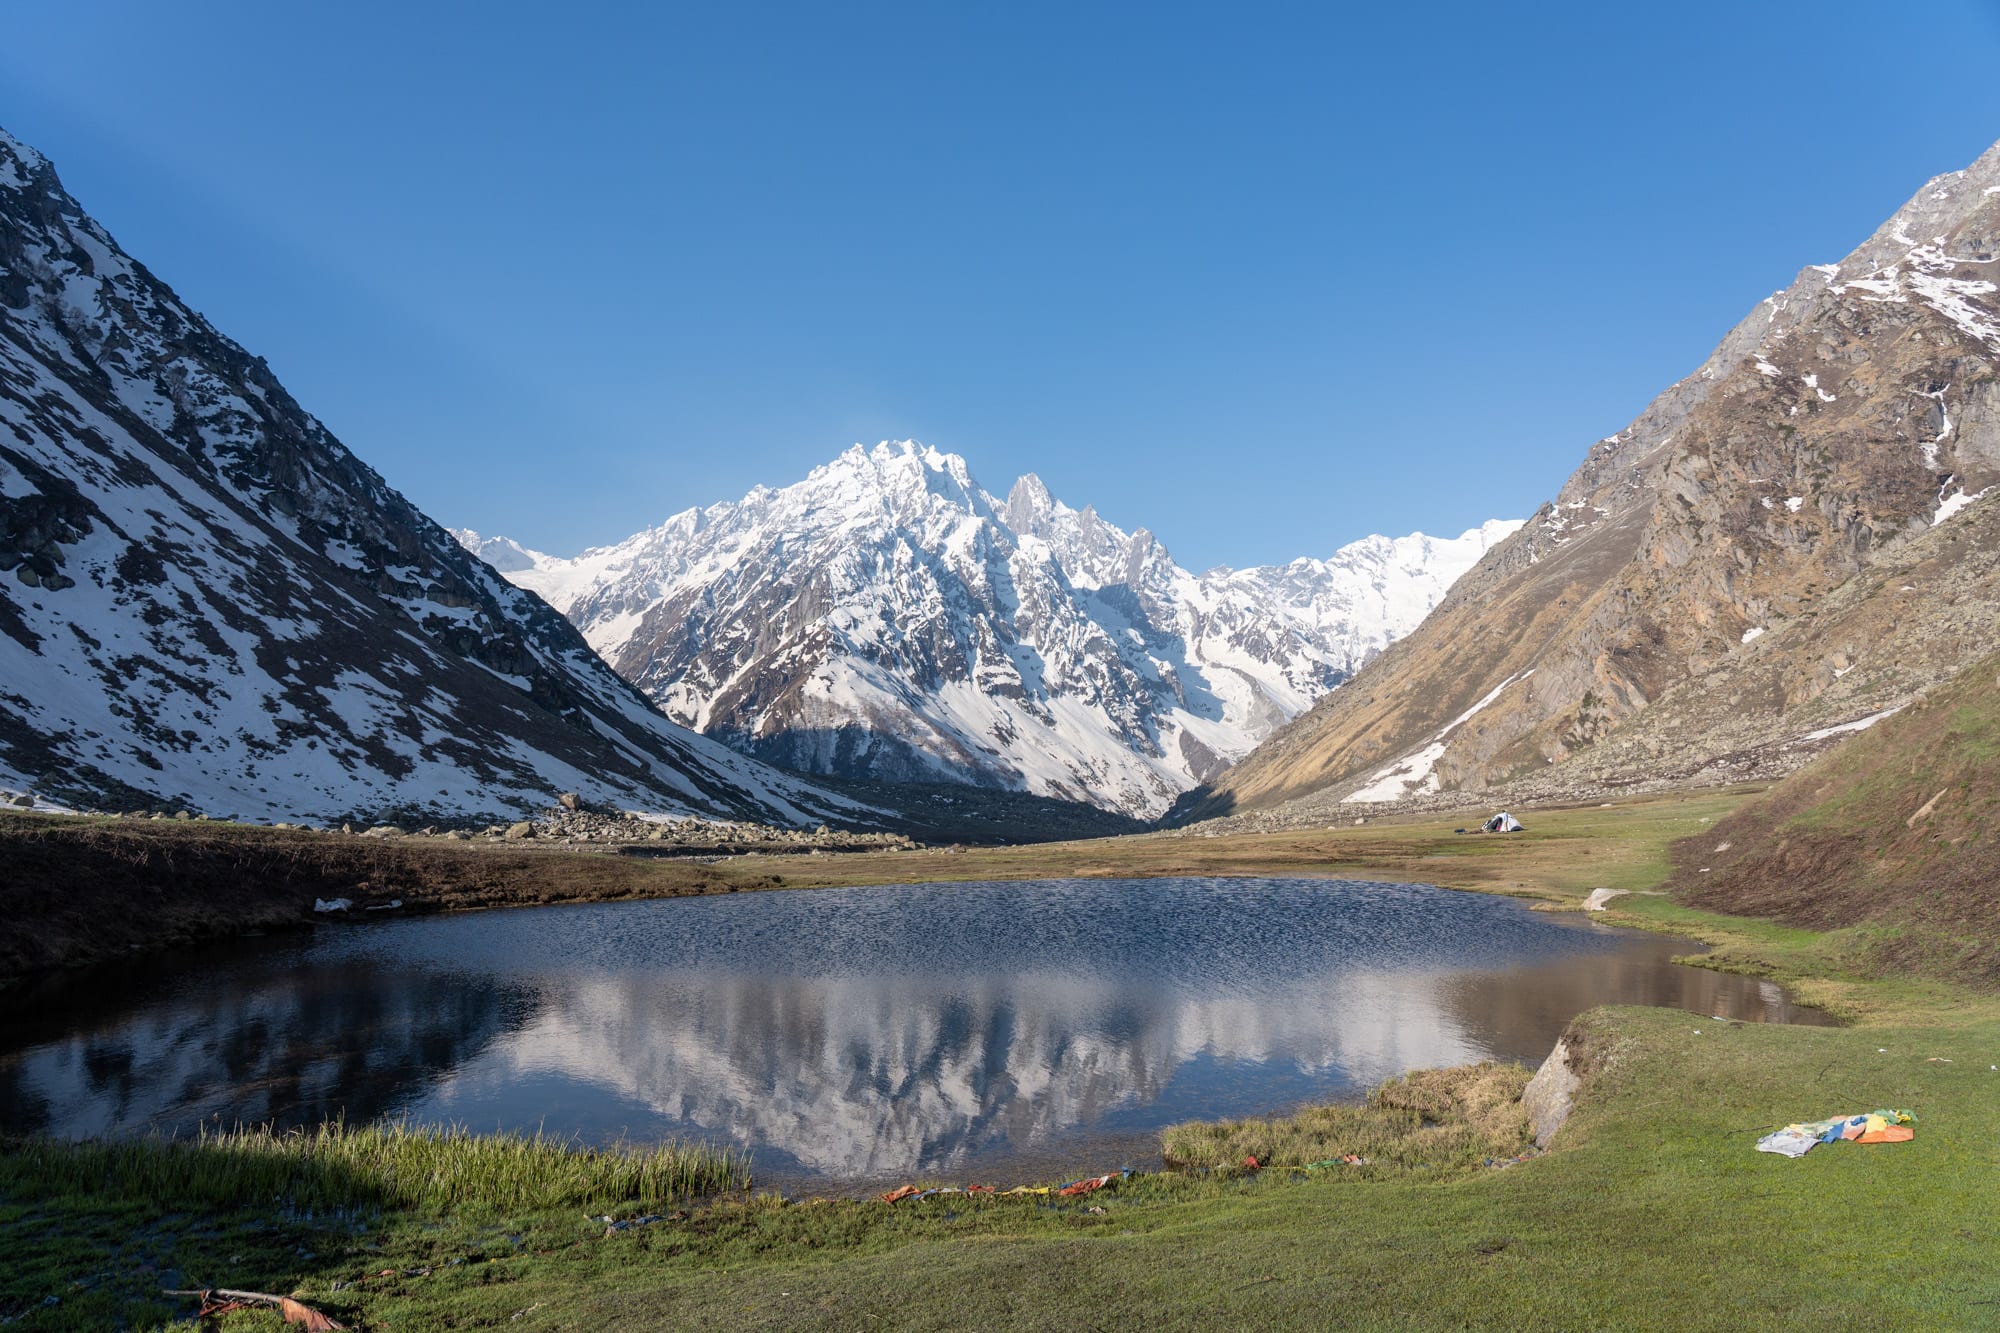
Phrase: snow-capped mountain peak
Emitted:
{"points": [[888, 617], [503, 553]]}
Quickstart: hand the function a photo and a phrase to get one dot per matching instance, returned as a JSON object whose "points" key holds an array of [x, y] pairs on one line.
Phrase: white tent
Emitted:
{"points": [[1501, 823]]}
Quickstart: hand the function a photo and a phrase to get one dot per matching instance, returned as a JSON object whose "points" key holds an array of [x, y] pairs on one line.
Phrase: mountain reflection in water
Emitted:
{"points": [[851, 1034]]}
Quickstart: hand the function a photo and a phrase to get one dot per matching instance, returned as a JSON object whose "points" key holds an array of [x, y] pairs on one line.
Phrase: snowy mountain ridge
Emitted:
{"points": [[887, 617], [207, 602]]}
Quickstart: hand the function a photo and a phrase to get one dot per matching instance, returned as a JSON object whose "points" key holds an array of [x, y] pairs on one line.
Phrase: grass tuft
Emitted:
{"points": [[337, 1166]]}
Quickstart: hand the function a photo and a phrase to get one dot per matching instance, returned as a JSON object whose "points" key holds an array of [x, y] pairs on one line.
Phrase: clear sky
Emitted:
{"points": [[1262, 278]]}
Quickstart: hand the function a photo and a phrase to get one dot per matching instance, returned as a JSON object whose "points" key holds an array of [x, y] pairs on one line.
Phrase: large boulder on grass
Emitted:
{"points": [[1550, 1093]]}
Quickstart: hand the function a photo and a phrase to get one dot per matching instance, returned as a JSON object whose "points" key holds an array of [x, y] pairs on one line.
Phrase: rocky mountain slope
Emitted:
{"points": [[1785, 544], [207, 602], [888, 618]]}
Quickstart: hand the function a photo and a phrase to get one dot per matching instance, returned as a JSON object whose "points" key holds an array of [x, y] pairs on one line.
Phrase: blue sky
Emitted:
{"points": [[1262, 278]]}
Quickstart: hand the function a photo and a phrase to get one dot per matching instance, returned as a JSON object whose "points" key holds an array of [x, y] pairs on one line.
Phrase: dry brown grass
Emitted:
{"points": [[1564, 854], [83, 890], [1432, 1119]]}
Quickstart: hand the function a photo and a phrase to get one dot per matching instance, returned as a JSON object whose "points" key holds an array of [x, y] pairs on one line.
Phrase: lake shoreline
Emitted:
{"points": [[846, 1036], [78, 890]]}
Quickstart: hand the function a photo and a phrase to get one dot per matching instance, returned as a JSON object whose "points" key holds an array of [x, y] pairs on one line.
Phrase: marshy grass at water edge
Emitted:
{"points": [[1432, 1119], [395, 1165]]}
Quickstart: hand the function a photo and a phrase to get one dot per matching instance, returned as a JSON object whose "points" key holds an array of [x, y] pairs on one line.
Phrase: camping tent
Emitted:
{"points": [[1501, 823]]}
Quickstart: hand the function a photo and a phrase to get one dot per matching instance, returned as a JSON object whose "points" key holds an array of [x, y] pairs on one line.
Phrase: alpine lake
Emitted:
{"points": [[847, 1038]]}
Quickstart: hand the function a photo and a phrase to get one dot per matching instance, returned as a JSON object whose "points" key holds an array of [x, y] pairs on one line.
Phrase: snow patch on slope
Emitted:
{"points": [[1948, 505], [1859, 724], [1412, 775]]}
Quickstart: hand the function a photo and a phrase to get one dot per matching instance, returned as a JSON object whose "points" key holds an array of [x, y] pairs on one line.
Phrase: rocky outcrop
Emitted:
{"points": [[1551, 1093], [1789, 541], [574, 821]]}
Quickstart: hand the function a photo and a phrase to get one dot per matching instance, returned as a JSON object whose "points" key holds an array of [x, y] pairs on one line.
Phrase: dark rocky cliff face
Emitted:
{"points": [[207, 601], [1789, 539]]}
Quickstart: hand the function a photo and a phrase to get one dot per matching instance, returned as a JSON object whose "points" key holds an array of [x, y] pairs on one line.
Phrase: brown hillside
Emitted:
{"points": [[1900, 826], [87, 890], [1786, 540]]}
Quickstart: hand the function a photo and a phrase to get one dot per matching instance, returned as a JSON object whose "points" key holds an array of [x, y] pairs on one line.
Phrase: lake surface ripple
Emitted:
{"points": [[847, 1035]]}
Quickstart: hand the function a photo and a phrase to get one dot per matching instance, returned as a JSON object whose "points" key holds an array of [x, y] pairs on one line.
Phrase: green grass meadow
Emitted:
{"points": [[1651, 1210]]}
